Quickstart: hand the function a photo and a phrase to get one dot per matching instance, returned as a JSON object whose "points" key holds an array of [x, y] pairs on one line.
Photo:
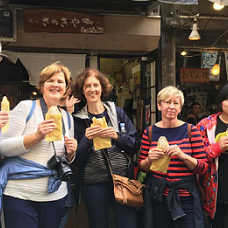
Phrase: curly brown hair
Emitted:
{"points": [[79, 82]]}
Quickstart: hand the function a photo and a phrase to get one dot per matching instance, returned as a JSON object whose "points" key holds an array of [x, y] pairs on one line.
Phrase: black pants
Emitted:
{"points": [[20, 213], [163, 219], [221, 216]]}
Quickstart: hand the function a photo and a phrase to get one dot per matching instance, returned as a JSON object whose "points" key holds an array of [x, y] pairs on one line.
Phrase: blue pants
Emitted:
{"points": [[20, 213], [69, 204], [162, 216], [98, 198]]}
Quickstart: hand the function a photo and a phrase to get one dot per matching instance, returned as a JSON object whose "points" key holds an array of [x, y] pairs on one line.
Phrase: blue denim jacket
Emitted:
{"points": [[16, 168]]}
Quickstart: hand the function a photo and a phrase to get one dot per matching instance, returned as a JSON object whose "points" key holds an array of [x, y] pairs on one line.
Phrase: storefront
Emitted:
{"points": [[120, 50], [195, 78]]}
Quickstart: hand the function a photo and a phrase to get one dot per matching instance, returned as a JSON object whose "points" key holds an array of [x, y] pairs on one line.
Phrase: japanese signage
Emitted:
{"points": [[48, 20], [194, 75]]}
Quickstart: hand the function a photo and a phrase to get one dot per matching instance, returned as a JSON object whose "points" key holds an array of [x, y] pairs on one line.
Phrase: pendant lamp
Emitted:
{"points": [[194, 35]]}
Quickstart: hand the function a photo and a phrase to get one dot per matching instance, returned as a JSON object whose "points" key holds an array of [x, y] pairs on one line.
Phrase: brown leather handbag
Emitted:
{"points": [[126, 191]]}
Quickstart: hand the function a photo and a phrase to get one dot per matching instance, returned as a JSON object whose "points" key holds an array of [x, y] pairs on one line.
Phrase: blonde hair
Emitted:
{"points": [[50, 70], [168, 92]]}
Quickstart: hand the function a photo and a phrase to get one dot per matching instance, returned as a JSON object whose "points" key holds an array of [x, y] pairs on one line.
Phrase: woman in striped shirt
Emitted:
{"points": [[171, 198]]}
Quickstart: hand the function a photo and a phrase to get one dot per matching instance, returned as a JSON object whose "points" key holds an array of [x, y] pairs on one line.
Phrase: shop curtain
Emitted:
{"points": [[184, 2], [35, 62]]}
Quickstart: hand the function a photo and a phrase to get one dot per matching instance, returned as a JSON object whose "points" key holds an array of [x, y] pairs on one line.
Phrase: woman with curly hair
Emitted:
{"points": [[93, 177]]}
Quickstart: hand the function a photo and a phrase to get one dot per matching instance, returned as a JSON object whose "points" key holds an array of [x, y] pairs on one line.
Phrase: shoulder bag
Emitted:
{"points": [[126, 191]]}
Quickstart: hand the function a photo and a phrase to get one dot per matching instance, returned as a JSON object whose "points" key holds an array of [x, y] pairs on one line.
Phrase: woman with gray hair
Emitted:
{"points": [[171, 195]]}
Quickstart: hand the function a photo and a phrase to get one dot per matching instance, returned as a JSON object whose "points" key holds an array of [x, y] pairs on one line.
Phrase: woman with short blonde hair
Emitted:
{"points": [[168, 92], [171, 196]]}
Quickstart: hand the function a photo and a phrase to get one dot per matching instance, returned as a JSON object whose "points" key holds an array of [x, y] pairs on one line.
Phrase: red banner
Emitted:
{"points": [[199, 75]]}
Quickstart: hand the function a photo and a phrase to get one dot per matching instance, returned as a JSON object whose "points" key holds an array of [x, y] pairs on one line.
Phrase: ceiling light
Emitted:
{"points": [[194, 34], [218, 6], [183, 53], [216, 68]]}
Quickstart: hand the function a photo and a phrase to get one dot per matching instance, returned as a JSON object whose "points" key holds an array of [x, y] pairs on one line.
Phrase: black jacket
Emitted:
{"points": [[129, 142]]}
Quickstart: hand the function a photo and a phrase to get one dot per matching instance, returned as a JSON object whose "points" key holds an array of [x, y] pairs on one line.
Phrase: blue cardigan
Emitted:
{"points": [[16, 168]]}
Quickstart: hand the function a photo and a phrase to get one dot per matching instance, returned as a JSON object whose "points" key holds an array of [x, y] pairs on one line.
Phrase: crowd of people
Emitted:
{"points": [[36, 169]]}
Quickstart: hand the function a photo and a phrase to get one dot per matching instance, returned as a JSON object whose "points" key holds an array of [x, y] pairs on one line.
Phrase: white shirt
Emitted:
{"points": [[11, 144]]}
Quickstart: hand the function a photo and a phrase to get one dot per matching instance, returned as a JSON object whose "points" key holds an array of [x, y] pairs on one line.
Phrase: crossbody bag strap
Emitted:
{"points": [[189, 132], [150, 134], [31, 111], [108, 162]]}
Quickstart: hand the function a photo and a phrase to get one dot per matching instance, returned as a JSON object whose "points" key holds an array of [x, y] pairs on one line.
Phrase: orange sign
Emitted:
{"points": [[199, 75], [52, 20]]}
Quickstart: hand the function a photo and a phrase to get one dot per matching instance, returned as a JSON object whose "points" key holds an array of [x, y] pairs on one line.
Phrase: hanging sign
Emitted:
{"points": [[199, 75], [50, 20]]}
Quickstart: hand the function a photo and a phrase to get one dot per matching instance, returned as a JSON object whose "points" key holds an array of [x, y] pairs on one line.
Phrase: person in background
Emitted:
{"points": [[92, 174], [171, 198], [4, 118], [193, 117], [214, 182], [68, 101], [36, 197]]}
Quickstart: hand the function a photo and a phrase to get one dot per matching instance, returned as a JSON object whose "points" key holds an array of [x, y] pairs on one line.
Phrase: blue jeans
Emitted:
{"points": [[20, 213], [98, 198]]}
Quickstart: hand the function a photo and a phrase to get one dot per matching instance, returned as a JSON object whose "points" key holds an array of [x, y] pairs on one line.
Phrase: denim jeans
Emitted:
{"points": [[98, 198]]}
